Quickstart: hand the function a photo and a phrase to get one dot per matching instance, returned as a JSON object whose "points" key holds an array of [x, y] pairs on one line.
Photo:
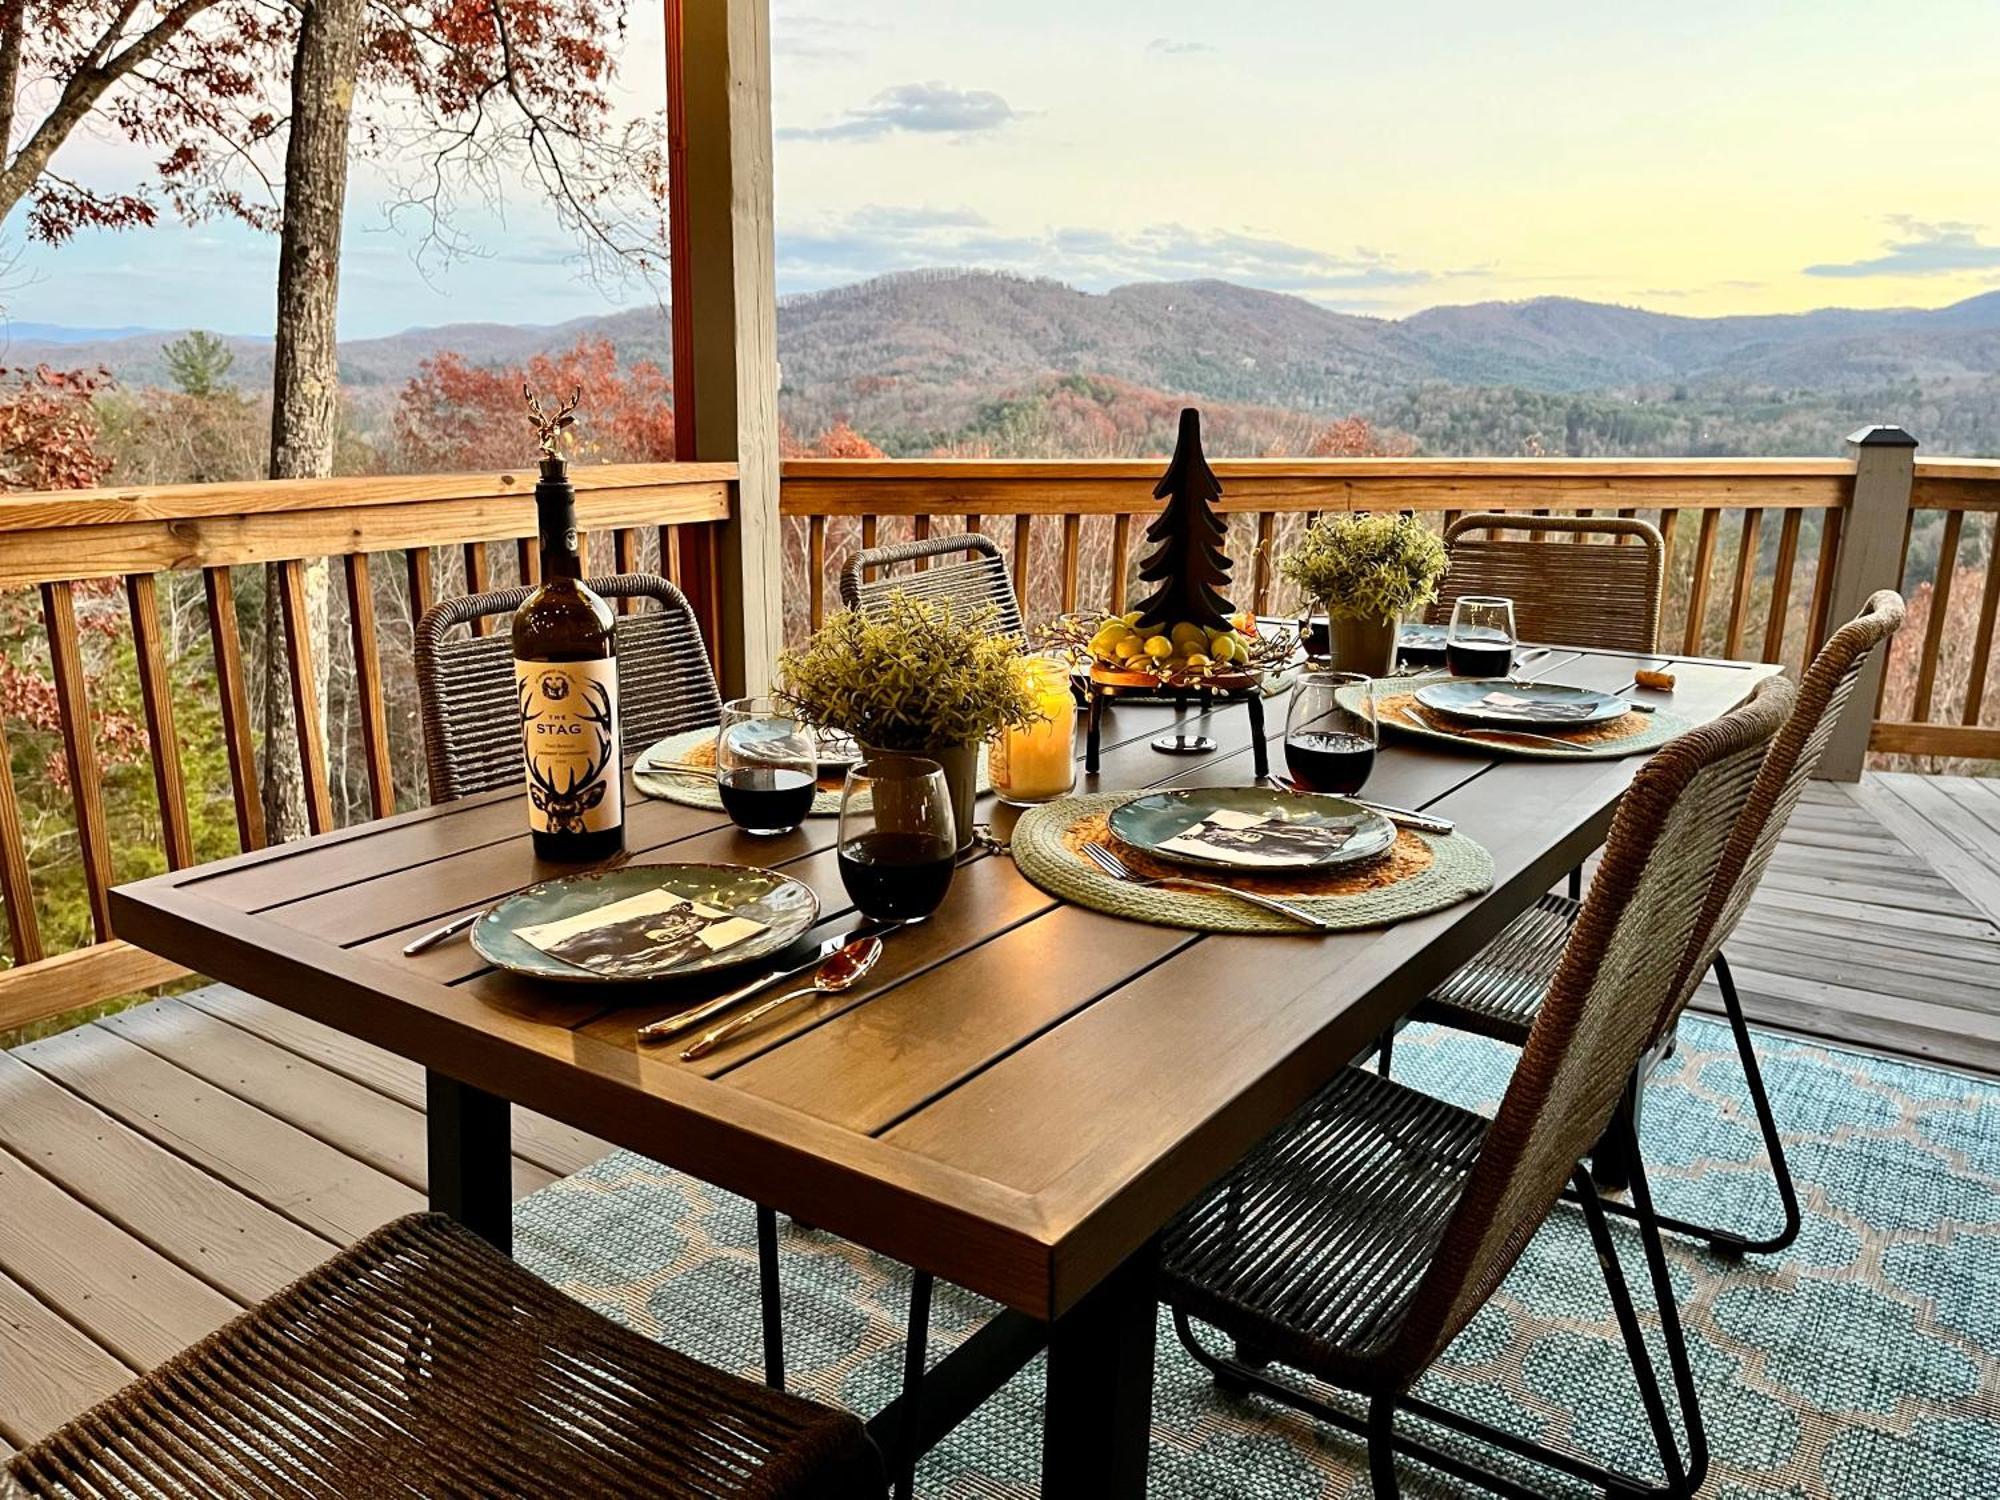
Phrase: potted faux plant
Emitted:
{"points": [[915, 676], [1367, 572]]}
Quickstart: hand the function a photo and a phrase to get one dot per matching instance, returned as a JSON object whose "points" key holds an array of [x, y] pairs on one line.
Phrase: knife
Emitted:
{"points": [[674, 1025], [1403, 817]]}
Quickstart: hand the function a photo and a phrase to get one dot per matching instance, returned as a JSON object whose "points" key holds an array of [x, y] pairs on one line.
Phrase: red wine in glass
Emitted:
{"points": [[766, 799], [1329, 761], [1477, 658], [897, 877]]}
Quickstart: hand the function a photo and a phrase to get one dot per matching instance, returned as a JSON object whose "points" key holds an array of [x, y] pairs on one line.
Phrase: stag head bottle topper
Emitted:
{"points": [[566, 674]]}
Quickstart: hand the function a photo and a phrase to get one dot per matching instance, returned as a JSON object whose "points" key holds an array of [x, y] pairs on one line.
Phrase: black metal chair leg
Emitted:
{"points": [[1382, 1448], [915, 1347], [772, 1297], [1728, 1241], [1385, 1053], [1671, 1331]]}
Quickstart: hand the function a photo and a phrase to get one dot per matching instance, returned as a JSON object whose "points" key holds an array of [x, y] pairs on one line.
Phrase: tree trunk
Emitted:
{"points": [[305, 381]]}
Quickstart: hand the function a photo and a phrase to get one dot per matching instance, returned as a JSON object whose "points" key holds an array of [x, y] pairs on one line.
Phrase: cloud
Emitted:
{"points": [[1925, 249], [1167, 46], [818, 38], [915, 108], [875, 239]]}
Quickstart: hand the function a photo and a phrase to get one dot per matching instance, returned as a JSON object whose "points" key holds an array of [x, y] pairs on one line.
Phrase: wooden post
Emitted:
{"points": [[730, 313], [1871, 558]]}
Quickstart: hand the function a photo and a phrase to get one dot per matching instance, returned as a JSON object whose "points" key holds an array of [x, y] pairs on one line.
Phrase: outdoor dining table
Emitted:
{"points": [[1018, 1100]]}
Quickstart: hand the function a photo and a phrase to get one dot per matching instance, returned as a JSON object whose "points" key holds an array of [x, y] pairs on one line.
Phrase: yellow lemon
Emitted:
{"points": [[1197, 660], [1160, 646]]}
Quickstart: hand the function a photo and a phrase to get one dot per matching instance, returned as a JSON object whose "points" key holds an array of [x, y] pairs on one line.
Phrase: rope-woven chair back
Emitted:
{"points": [[1781, 784], [977, 581], [1566, 591], [1632, 942], [466, 693]]}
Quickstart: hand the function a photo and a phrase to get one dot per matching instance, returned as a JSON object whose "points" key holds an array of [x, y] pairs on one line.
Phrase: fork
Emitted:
{"points": [[1423, 720], [1117, 869]]}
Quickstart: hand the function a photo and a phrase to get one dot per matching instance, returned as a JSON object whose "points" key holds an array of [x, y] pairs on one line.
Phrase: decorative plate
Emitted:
{"points": [[783, 907], [1249, 828], [1500, 700]]}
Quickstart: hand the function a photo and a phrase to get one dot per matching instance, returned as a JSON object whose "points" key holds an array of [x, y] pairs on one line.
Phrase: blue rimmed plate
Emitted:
{"points": [[1199, 826], [1542, 705]]}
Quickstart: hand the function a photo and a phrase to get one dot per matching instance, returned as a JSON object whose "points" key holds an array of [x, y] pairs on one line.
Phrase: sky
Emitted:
{"points": [[1690, 156]]}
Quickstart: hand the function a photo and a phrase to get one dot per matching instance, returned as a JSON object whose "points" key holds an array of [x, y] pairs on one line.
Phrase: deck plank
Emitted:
{"points": [[239, 1246], [122, 1293], [328, 1106], [48, 1370], [310, 1182]]}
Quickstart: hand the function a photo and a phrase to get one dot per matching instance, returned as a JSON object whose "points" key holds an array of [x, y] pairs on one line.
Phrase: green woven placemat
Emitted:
{"points": [[1661, 726], [692, 791], [1459, 868]]}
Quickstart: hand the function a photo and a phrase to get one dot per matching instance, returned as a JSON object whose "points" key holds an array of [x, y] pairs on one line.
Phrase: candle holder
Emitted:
{"points": [[1036, 762]]}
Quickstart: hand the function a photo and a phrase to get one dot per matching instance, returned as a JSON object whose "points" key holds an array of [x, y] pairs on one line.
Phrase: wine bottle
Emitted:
{"points": [[566, 675]]}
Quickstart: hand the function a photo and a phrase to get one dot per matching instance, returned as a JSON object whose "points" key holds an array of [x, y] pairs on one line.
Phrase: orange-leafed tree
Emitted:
{"points": [[456, 415], [1355, 437], [48, 429], [838, 441]]}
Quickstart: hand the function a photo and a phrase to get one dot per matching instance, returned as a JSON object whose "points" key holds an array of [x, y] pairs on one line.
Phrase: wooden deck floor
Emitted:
{"points": [[164, 1168]]}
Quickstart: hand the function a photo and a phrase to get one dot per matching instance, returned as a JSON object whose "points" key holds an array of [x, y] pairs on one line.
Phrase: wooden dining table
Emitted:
{"points": [[1019, 1098]]}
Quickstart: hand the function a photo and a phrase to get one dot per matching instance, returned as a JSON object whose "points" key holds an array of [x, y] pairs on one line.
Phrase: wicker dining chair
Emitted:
{"points": [[423, 1362], [1566, 592], [465, 682], [1364, 1234], [1498, 993], [976, 581]]}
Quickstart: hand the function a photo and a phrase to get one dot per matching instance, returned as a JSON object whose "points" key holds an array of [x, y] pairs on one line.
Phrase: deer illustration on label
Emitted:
{"points": [[569, 733]]}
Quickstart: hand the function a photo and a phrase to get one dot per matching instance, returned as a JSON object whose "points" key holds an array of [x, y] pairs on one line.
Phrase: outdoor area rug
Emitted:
{"points": [[1863, 1362]]}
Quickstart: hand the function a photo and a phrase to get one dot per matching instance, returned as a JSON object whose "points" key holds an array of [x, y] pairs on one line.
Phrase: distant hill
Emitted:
{"points": [[920, 359]]}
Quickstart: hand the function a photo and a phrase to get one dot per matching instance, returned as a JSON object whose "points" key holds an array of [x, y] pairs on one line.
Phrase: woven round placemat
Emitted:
{"points": [[1421, 873], [696, 747], [1633, 734]]}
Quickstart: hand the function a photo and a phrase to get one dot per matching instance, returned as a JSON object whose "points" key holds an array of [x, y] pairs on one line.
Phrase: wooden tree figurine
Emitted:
{"points": [[1187, 561]]}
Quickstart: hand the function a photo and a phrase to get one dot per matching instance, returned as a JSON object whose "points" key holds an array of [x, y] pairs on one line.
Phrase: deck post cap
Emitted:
{"points": [[1881, 435]]}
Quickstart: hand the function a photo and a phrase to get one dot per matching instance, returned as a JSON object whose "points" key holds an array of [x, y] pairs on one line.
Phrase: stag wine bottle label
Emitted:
{"points": [[566, 680]]}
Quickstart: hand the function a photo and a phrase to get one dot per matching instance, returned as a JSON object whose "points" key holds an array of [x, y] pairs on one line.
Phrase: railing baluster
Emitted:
{"points": [[305, 696], [920, 531], [1024, 540], [80, 750], [368, 686], [1746, 568], [24, 931], [1072, 551], [423, 594], [528, 559], [1817, 628], [974, 524], [1121, 559], [1267, 532], [1954, 525], [227, 644], [156, 691], [698, 576], [816, 569], [1704, 562], [871, 528], [1982, 639], [1781, 587], [1902, 587], [625, 552], [478, 579]]}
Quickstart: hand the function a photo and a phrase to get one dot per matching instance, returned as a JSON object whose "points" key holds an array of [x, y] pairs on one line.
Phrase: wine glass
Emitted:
{"points": [[1480, 641], [766, 765], [898, 843], [1329, 743]]}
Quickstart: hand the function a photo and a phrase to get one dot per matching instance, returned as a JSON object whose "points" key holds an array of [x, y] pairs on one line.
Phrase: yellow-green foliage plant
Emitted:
{"points": [[922, 677], [1367, 567]]}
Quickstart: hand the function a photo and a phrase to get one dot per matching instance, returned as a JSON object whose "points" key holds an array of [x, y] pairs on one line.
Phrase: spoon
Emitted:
{"points": [[839, 972]]}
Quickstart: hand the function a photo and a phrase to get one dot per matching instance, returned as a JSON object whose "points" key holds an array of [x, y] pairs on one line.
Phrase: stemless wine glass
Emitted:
{"points": [[766, 765], [1331, 732], [898, 842], [1480, 641]]}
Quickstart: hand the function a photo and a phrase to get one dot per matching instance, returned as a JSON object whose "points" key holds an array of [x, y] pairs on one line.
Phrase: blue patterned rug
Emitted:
{"points": [[1864, 1362]]}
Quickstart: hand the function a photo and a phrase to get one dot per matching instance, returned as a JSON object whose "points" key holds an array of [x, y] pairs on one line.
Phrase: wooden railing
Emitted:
{"points": [[1754, 545], [155, 569], [1715, 516]]}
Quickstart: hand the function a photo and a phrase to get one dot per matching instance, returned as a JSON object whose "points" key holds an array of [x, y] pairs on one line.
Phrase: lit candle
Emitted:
{"points": [[1037, 763]]}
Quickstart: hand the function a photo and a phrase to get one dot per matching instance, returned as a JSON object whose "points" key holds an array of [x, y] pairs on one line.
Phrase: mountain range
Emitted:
{"points": [[921, 359]]}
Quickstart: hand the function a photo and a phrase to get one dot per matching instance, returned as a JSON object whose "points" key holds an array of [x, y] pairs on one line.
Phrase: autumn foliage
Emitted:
{"points": [[48, 429]]}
